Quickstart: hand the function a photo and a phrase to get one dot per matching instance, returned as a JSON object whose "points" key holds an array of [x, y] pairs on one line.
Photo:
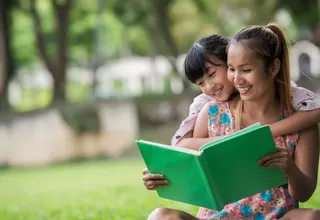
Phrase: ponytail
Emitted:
{"points": [[283, 85]]}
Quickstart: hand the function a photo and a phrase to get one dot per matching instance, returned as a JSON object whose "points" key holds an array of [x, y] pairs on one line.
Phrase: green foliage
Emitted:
{"points": [[23, 40], [33, 98], [39, 98], [77, 92], [118, 85], [129, 21], [139, 40], [188, 23], [83, 119], [131, 12], [91, 190], [304, 12]]}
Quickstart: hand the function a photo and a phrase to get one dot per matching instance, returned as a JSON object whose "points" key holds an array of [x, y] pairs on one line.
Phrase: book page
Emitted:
{"points": [[233, 135], [175, 148]]}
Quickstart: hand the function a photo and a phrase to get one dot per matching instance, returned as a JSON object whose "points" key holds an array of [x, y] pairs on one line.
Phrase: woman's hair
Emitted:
{"points": [[269, 43], [203, 51]]}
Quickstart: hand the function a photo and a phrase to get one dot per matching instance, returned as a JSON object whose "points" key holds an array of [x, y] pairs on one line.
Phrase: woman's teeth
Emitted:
{"points": [[243, 90]]}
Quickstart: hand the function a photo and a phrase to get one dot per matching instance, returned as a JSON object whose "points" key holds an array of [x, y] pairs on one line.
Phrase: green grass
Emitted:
{"points": [[86, 190], [90, 190]]}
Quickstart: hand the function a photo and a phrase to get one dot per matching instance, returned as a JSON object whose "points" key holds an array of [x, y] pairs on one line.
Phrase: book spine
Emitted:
{"points": [[208, 180]]}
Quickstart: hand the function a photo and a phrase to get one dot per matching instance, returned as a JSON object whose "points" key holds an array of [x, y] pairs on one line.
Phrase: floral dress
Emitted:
{"points": [[271, 204]]}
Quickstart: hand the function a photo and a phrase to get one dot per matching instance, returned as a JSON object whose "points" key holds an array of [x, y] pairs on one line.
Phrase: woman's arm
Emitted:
{"points": [[295, 122], [200, 135], [303, 179]]}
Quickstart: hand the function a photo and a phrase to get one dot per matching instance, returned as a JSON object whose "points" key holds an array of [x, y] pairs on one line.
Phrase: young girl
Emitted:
{"points": [[206, 65], [258, 67]]}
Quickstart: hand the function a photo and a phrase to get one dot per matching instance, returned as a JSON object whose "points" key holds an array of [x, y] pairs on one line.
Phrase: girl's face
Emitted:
{"points": [[214, 82], [247, 72]]}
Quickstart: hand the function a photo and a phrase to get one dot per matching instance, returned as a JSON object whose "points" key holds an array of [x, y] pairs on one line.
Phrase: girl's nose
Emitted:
{"points": [[210, 86]]}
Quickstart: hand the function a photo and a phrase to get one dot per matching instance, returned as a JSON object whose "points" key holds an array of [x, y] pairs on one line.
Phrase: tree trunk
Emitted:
{"points": [[62, 23], [6, 60], [56, 65], [161, 8], [3, 51]]}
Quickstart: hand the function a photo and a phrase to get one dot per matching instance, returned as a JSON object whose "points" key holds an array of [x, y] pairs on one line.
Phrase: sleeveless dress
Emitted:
{"points": [[271, 204]]}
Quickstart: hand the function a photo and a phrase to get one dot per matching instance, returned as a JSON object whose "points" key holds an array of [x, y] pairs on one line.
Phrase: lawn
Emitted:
{"points": [[86, 190], [89, 190]]}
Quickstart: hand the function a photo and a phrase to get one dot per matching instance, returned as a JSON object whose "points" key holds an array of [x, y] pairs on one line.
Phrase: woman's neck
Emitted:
{"points": [[262, 110]]}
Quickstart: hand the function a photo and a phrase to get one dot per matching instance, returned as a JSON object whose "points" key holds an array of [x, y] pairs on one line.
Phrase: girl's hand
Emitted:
{"points": [[281, 159], [152, 181]]}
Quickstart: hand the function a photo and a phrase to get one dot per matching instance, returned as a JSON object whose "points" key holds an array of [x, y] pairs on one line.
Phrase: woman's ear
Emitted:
{"points": [[274, 68]]}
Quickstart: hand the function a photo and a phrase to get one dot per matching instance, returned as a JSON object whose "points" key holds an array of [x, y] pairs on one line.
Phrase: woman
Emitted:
{"points": [[258, 66]]}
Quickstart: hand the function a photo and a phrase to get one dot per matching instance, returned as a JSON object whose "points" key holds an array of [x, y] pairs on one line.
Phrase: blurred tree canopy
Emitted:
{"points": [[62, 33]]}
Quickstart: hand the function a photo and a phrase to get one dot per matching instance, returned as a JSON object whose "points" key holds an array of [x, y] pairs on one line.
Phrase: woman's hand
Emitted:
{"points": [[281, 159], [153, 181]]}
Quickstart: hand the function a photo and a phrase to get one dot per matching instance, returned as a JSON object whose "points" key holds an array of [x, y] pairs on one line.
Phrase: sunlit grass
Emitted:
{"points": [[91, 190], [88, 190]]}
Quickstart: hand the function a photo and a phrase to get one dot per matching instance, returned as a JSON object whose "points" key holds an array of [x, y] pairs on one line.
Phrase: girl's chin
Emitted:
{"points": [[222, 98]]}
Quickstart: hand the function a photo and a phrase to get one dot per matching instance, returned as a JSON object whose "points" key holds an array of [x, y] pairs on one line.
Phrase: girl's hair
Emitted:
{"points": [[204, 50], [269, 43]]}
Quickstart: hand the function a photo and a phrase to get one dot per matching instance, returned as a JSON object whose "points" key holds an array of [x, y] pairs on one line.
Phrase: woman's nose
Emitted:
{"points": [[237, 78]]}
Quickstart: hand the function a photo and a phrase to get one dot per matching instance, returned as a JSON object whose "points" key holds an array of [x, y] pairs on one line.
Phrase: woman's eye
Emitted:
{"points": [[246, 71], [231, 69], [212, 74]]}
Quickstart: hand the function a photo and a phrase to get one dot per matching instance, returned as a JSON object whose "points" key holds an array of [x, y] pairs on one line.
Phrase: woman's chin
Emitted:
{"points": [[245, 97]]}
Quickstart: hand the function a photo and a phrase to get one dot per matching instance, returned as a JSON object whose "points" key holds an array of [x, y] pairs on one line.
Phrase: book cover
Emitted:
{"points": [[221, 172]]}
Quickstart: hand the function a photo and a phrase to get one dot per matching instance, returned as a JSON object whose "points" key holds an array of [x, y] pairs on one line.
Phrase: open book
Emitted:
{"points": [[221, 172]]}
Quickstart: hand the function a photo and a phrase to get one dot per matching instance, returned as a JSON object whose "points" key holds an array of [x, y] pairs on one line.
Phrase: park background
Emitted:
{"points": [[81, 80]]}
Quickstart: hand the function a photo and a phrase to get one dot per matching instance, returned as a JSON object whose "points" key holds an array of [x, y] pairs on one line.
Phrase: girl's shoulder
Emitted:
{"points": [[218, 104]]}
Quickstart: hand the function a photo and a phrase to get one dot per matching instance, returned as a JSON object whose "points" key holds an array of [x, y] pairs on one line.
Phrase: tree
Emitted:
{"points": [[306, 14], [57, 63], [6, 56], [155, 19]]}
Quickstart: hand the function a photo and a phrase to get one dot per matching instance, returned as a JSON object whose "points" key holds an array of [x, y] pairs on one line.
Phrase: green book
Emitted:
{"points": [[221, 172]]}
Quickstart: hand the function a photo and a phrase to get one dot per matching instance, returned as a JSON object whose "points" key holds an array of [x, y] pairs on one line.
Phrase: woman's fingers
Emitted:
{"points": [[282, 149], [153, 184], [154, 187], [156, 183], [150, 176], [275, 162], [152, 181], [145, 171], [272, 156]]}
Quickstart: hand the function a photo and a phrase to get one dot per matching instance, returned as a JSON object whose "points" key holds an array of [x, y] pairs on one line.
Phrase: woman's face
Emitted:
{"points": [[247, 72], [214, 82]]}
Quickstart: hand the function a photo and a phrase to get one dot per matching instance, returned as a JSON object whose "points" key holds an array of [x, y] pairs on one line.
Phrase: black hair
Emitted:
{"points": [[203, 51]]}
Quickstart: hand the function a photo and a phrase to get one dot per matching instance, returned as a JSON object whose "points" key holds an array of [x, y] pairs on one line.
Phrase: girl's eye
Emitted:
{"points": [[246, 71], [231, 69], [200, 84]]}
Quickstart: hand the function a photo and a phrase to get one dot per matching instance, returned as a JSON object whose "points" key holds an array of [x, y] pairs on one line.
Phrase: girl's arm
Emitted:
{"points": [[303, 180], [200, 135], [295, 122]]}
